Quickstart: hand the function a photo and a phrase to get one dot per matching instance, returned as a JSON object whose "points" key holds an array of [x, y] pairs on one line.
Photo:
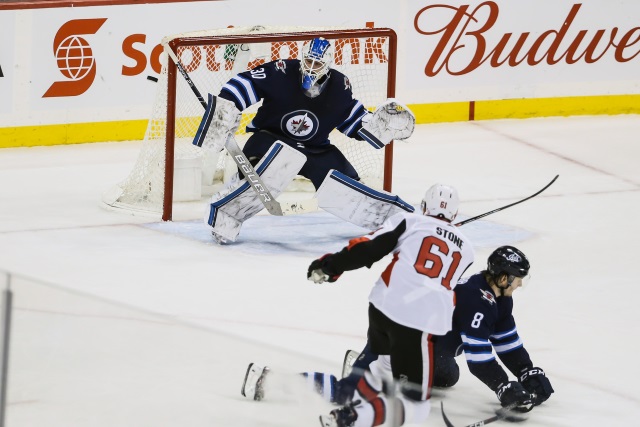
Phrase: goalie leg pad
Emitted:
{"points": [[356, 203], [232, 206]]}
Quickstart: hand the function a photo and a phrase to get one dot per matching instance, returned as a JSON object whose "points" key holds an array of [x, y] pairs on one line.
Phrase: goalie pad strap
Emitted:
{"points": [[277, 168], [382, 196], [356, 203]]}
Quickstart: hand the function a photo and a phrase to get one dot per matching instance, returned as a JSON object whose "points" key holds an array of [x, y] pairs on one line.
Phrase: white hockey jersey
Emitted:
{"points": [[430, 256]]}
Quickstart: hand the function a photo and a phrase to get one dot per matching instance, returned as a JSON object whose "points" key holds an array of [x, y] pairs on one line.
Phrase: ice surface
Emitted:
{"points": [[126, 321]]}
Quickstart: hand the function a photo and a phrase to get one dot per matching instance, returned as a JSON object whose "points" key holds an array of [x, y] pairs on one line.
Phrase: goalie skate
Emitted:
{"points": [[253, 385]]}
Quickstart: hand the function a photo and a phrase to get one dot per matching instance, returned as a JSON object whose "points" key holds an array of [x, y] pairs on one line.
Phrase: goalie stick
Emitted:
{"points": [[501, 414], [468, 220], [270, 203]]}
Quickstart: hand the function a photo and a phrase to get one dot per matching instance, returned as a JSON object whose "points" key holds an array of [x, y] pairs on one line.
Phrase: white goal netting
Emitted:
{"points": [[363, 58]]}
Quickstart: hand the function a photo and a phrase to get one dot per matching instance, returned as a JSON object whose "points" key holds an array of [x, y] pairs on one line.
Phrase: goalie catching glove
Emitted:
{"points": [[320, 271], [390, 121], [221, 119]]}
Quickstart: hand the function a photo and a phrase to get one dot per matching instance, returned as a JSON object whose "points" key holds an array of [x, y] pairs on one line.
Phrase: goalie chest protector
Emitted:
{"points": [[287, 111]]}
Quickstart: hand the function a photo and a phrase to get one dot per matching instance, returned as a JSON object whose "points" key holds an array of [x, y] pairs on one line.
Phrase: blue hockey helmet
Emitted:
{"points": [[508, 260], [317, 57]]}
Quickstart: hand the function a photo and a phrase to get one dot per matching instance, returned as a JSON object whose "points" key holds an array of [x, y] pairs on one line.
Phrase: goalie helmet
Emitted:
{"points": [[317, 57], [441, 201], [508, 260]]}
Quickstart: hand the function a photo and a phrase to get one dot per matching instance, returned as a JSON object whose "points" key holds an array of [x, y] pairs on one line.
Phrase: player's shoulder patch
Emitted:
{"points": [[463, 280], [488, 296], [347, 83], [281, 65]]}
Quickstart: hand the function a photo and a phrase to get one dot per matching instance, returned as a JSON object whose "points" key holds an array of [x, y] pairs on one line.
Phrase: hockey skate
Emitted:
{"points": [[341, 417], [253, 385], [349, 359]]}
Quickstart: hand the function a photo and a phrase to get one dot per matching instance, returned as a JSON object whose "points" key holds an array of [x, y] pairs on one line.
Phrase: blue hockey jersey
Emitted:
{"points": [[483, 321], [287, 111]]}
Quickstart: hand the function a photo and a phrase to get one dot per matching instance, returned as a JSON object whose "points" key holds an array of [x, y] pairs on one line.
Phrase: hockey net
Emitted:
{"points": [[170, 169]]}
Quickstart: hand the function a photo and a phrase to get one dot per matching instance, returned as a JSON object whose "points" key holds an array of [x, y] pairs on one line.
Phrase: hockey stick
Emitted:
{"points": [[466, 221], [501, 414], [265, 196]]}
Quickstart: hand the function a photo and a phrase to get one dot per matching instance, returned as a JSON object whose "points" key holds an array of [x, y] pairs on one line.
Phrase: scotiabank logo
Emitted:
{"points": [[465, 41], [74, 57], [347, 51]]}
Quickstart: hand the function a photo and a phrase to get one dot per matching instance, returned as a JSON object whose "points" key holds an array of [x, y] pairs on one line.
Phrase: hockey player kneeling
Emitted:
{"points": [[482, 322], [303, 101]]}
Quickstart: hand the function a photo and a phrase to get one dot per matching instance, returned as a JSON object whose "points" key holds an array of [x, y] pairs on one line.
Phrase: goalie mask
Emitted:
{"points": [[441, 201], [317, 57]]}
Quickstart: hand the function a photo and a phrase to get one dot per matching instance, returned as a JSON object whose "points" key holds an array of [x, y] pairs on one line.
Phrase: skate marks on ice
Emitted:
{"points": [[318, 233]]}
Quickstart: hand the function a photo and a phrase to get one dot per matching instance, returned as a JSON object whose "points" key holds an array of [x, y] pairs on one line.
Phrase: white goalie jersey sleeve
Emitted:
{"points": [[415, 289]]}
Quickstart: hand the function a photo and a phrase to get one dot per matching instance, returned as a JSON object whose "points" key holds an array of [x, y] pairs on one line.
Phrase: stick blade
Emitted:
{"points": [[273, 207], [444, 416]]}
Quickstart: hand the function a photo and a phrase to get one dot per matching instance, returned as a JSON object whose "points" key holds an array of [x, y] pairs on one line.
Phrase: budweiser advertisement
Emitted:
{"points": [[498, 49]]}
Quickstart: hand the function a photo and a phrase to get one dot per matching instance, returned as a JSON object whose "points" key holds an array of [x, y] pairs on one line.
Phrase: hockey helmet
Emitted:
{"points": [[317, 57], [441, 201], [508, 260]]}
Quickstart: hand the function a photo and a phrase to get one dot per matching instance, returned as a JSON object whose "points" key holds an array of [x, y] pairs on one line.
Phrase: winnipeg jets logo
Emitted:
{"points": [[281, 66], [347, 83], [300, 125], [486, 295], [514, 258]]}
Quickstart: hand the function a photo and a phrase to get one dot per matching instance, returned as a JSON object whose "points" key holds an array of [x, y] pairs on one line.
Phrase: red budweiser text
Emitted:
{"points": [[471, 29]]}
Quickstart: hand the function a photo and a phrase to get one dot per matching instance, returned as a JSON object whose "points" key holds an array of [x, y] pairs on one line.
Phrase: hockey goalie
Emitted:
{"points": [[303, 101]]}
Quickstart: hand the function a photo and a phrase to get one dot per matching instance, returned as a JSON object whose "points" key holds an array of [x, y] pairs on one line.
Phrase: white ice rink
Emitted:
{"points": [[123, 321]]}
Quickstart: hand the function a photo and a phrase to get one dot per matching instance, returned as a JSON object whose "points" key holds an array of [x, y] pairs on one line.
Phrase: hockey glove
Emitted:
{"points": [[391, 120], [536, 381], [320, 270], [513, 395]]}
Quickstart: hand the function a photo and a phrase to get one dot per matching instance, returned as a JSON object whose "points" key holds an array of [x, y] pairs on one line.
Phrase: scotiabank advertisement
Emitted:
{"points": [[97, 63]]}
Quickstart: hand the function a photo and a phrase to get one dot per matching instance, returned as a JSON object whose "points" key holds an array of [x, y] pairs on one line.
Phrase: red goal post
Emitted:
{"points": [[367, 56]]}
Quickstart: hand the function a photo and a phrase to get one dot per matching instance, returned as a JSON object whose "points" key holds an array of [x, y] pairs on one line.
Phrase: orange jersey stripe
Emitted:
{"points": [[357, 240], [386, 274]]}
